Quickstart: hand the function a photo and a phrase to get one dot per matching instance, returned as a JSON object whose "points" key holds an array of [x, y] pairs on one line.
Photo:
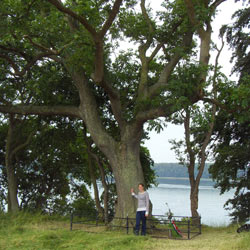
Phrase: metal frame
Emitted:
{"points": [[188, 229]]}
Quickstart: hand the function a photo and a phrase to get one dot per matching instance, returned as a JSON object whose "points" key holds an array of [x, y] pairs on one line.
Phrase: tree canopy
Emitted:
{"points": [[113, 91]]}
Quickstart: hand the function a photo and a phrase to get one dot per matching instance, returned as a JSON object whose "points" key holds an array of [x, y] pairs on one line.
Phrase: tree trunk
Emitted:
{"points": [[123, 155], [9, 202], [128, 174], [13, 205], [194, 201]]}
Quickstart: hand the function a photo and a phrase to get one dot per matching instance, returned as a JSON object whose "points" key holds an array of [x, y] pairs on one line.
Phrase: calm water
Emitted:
{"points": [[176, 193]]}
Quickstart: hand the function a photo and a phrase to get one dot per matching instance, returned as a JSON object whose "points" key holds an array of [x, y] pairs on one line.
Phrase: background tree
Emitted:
{"points": [[77, 36], [198, 120], [21, 129], [50, 169], [37, 145], [18, 137], [231, 169]]}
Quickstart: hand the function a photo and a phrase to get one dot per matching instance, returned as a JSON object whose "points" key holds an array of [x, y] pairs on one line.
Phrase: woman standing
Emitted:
{"points": [[142, 209]]}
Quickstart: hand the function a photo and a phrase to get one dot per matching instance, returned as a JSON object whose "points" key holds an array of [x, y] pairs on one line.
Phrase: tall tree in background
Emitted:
{"points": [[127, 91], [198, 121], [21, 130], [18, 137], [48, 168], [231, 169]]}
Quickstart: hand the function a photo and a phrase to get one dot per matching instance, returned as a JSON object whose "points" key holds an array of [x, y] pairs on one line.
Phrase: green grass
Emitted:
{"points": [[34, 231]]}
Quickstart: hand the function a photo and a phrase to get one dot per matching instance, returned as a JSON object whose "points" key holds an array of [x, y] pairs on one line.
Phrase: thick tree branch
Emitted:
{"points": [[145, 14], [154, 113], [89, 112], [28, 65], [112, 92], [98, 39], [165, 74], [151, 29], [192, 16], [99, 65], [115, 101], [204, 34], [145, 92], [71, 13], [142, 53], [143, 89], [111, 18], [96, 36], [41, 110], [155, 51]]}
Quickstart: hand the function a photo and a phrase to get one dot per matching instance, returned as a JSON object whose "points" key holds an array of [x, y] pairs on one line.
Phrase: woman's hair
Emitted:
{"points": [[141, 185]]}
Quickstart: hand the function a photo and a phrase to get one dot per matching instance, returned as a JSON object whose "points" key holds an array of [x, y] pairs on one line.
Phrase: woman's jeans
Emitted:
{"points": [[140, 217]]}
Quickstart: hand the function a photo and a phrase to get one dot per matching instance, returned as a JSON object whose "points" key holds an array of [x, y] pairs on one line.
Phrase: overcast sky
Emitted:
{"points": [[158, 144]]}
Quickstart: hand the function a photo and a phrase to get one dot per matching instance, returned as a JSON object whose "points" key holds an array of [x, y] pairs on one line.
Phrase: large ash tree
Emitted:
{"points": [[118, 91]]}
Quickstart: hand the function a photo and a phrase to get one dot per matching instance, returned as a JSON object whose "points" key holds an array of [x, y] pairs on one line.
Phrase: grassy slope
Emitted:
{"points": [[40, 232]]}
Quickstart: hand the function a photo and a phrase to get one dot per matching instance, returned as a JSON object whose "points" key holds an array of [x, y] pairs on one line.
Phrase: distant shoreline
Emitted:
{"points": [[182, 178], [173, 170]]}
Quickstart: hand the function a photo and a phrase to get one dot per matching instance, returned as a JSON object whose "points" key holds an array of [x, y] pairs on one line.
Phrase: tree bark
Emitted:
{"points": [[194, 194], [128, 174], [194, 202], [13, 205], [13, 145]]}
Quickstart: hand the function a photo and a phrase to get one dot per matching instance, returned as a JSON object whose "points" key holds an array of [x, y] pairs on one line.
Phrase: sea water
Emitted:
{"points": [[176, 193]]}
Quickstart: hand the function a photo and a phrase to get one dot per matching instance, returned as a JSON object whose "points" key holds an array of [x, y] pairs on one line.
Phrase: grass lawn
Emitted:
{"points": [[31, 232]]}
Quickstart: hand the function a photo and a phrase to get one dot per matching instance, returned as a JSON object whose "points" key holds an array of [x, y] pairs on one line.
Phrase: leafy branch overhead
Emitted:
{"points": [[82, 27]]}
